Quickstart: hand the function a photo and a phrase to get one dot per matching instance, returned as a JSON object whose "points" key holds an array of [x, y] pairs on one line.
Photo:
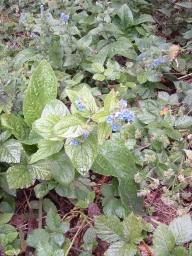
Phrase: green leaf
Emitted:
{"points": [[187, 5], [55, 107], [163, 241], [4, 136], [108, 228], [5, 217], [84, 42], [41, 89], [41, 190], [173, 134], [99, 77], [10, 151], [89, 236], [126, 15], [40, 170], [53, 221], [104, 131], [44, 249], [62, 169], [110, 101], [116, 160], [180, 250], [82, 155], [81, 204], [19, 177], [69, 127], [183, 121], [132, 229], [45, 126], [46, 148], [100, 116], [37, 236], [23, 56], [144, 18], [163, 98], [58, 238], [97, 67], [16, 125], [181, 228], [121, 248], [48, 204]]}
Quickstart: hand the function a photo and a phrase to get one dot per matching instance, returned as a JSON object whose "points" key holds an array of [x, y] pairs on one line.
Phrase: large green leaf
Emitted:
{"points": [[46, 148], [121, 248], [69, 127], [110, 101], [55, 107], [104, 130], [41, 89], [108, 228], [181, 228], [116, 160], [62, 169], [40, 170], [23, 56], [163, 241], [16, 125], [19, 177], [44, 126], [53, 221], [10, 151], [82, 155], [37, 236]]}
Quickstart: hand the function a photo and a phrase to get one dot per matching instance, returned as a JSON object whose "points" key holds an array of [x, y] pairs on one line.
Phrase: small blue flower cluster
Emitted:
{"points": [[118, 116], [64, 17], [80, 106], [41, 6], [23, 16], [75, 142], [157, 62], [33, 35]]}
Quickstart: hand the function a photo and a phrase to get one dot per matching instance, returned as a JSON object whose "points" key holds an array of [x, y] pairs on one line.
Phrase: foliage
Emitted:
{"points": [[81, 91]]}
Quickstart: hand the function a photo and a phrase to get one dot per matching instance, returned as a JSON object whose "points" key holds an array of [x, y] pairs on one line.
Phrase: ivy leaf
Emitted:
{"points": [[19, 177], [62, 169], [108, 228], [121, 248], [41, 89], [82, 155], [16, 125], [10, 151], [163, 241], [46, 148], [181, 228], [55, 107]]}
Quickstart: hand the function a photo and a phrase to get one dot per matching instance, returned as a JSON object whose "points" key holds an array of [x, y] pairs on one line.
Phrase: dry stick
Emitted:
{"points": [[79, 229], [182, 77]]}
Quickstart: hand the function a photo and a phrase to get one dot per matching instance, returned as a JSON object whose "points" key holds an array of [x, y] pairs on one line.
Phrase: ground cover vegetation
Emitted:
{"points": [[95, 127]]}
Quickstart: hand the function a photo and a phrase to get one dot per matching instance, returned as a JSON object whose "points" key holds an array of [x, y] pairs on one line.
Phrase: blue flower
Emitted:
{"points": [[23, 16], [130, 117], [64, 16], [126, 113], [81, 107], [157, 62], [75, 142], [85, 135], [77, 101], [120, 116], [109, 120], [115, 127], [33, 35], [168, 70], [124, 103]]}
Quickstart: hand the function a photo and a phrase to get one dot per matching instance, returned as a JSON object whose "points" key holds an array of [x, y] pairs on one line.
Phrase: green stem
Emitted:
{"points": [[40, 213]]}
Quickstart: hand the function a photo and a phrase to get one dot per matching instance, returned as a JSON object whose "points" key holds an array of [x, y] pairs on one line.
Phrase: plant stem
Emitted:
{"points": [[79, 229], [40, 213]]}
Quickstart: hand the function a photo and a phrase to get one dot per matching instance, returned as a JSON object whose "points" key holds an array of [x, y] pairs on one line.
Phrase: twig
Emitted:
{"points": [[40, 213], [182, 77]]}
